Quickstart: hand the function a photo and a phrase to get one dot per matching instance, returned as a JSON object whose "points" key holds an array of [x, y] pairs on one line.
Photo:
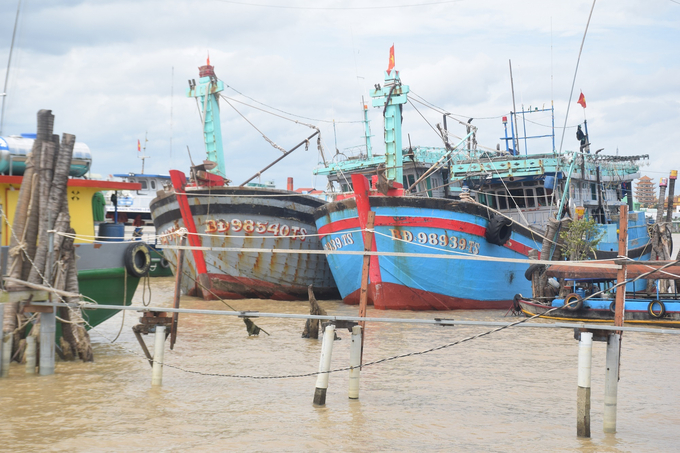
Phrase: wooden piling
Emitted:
{"points": [[621, 273], [178, 291], [363, 295], [355, 362], [671, 193], [158, 356], [324, 366], [585, 354]]}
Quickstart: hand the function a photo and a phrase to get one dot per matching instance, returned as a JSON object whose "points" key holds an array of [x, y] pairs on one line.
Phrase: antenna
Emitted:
{"points": [[172, 95]]}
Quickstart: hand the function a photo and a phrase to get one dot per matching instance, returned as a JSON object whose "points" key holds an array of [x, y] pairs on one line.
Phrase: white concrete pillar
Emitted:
{"points": [[585, 355], [324, 366], [611, 382], [355, 362], [158, 355]]}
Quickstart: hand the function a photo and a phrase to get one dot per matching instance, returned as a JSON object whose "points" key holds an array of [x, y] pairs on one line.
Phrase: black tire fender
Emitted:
{"points": [[656, 314], [164, 263], [137, 259], [534, 267], [573, 302], [612, 307], [499, 229]]}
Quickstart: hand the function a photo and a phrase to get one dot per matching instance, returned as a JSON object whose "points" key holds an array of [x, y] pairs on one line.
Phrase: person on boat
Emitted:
{"points": [[137, 223], [583, 138]]}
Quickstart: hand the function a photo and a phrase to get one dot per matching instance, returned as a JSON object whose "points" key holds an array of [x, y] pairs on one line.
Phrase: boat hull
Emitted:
{"points": [[238, 218], [421, 226], [598, 310], [420, 235]]}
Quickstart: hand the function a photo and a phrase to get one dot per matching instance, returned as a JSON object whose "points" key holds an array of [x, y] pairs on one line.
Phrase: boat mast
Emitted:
{"points": [[9, 62], [391, 97], [207, 94], [143, 150]]}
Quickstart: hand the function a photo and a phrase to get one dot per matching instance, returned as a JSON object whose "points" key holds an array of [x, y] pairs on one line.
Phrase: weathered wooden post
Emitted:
{"points": [[30, 354], [324, 366], [158, 355], [363, 295], [663, 182], [614, 339], [585, 354], [178, 291], [355, 362]]}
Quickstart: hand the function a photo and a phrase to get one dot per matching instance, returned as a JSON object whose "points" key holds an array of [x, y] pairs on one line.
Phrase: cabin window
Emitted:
{"points": [[593, 192], [153, 184], [517, 198], [531, 202], [411, 181], [143, 183], [492, 201], [502, 203], [540, 194], [345, 188]]}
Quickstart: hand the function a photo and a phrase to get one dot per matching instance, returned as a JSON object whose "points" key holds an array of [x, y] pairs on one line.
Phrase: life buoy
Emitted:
{"points": [[499, 229], [137, 259], [573, 302], [656, 314], [164, 263], [533, 268]]}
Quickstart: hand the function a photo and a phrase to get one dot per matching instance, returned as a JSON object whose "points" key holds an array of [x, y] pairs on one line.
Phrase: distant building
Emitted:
{"points": [[645, 192]]}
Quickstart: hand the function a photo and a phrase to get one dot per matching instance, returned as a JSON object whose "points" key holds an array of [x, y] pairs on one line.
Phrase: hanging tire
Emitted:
{"points": [[499, 230], [164, 263], [612, 307], [533, 268], [661, 309], [137, 259], [573, 302]]}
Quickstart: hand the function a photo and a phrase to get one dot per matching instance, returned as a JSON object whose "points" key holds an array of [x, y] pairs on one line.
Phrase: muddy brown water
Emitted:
{"points": [[514, 390]]}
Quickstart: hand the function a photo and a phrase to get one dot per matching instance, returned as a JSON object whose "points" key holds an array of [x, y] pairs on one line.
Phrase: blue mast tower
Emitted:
{"points": [[207, 94], [391, 97]]}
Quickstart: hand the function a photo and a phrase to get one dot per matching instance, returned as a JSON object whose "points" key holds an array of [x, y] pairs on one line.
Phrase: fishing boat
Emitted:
{"points": [[109, 271], [455, 235], [226, 221], [592, 295]]}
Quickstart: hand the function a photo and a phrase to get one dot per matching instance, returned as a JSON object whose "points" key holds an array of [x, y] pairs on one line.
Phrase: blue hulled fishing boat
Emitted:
{"points": [[453, 228]]}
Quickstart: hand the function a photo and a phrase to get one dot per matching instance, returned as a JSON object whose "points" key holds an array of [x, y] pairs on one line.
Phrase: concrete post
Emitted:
{"points": [[30, 354], [585, 354], [158, 355], [611, 382], [2, 334], [7, 340], [324, 366], [48, 331], [355, 362]]}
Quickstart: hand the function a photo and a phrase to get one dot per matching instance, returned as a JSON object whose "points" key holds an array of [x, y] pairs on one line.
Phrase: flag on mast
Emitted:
{"points": [[390, 65], [139, 146], [582, 100]]}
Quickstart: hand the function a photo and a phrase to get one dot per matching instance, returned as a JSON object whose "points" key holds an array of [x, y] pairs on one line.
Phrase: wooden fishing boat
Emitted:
{"points": [[465, 200], [227, 221]]}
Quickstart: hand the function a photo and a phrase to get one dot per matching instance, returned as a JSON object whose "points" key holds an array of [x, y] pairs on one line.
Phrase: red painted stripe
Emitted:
{"points": [[444, 224], [179, 181]]}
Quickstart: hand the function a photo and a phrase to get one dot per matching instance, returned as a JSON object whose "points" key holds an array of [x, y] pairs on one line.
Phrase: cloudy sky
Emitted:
{"points": [[115, 71]]}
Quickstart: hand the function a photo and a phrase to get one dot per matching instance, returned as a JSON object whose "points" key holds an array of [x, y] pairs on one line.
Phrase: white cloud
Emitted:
{"points": [[104, 68]]}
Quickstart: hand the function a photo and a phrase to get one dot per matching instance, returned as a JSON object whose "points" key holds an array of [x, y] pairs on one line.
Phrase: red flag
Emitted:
{"points": [[139, 146], [582, 100], [390, 65]]}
